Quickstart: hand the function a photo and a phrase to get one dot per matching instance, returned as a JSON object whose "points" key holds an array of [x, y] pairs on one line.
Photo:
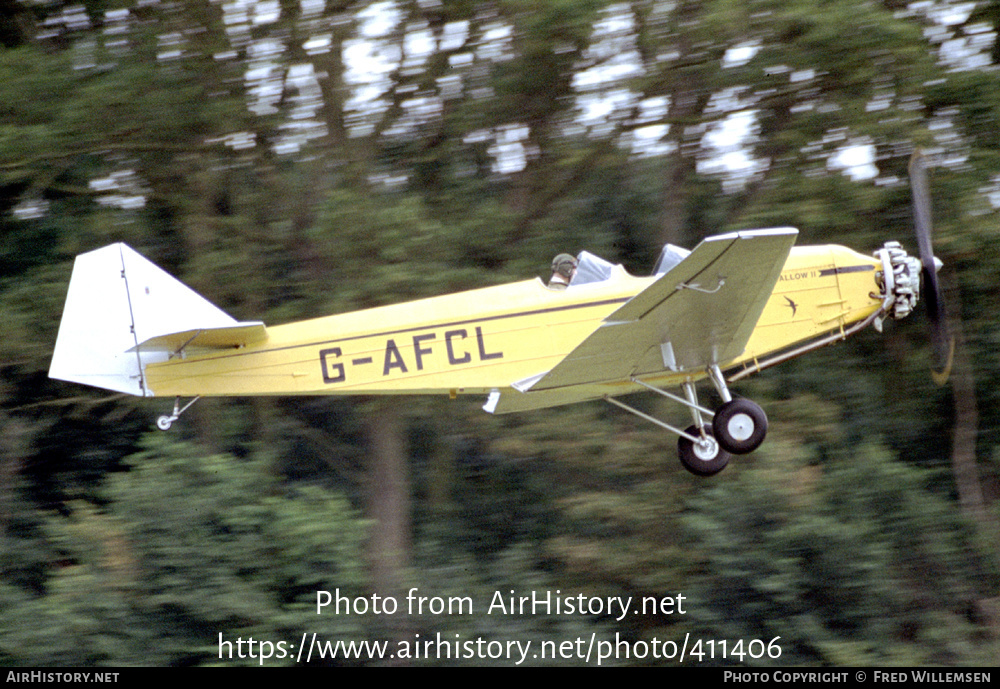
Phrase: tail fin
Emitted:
{"points": [[119, 315]]}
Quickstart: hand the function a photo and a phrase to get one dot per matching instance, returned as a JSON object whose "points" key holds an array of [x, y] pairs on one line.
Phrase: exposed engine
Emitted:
{"points": [[899, 280]]}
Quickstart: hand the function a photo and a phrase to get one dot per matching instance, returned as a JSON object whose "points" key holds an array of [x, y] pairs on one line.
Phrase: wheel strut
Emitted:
{"points": [[653, 420], [736, 427], [715, 375]]}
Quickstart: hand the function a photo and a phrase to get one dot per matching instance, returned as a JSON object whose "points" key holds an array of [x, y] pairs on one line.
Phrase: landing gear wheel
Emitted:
{"points": [[706, 458], [740, 426], [164, 423]]}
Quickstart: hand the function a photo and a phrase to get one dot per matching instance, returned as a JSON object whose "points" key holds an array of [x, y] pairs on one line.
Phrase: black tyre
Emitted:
{"points": [[740, 426], [700, 459]]}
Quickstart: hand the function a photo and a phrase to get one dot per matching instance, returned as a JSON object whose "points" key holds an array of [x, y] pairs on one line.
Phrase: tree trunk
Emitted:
{"points": [[963, 455], [388, 497]]}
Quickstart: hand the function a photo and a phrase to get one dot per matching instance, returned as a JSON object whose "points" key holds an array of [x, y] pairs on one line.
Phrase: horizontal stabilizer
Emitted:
{"points": [[229, 337]]}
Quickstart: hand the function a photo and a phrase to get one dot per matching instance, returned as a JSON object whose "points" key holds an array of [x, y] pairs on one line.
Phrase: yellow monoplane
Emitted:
{"points": [[736, 304]]}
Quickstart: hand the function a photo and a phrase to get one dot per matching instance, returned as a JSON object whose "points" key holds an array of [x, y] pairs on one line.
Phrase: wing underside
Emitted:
{"points": [[700, 313]]}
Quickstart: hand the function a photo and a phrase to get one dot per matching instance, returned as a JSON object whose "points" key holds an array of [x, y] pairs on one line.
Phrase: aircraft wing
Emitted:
{"points": [[701, 312]]}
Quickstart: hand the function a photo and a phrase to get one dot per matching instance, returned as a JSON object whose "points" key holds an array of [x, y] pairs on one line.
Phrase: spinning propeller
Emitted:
{"points": [[944, 343]]}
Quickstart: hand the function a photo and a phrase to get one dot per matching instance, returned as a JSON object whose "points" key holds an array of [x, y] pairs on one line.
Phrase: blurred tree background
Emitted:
{"points": [[290, 159]]}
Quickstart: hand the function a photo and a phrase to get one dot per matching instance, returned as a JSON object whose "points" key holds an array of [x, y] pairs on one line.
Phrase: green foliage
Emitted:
{"points": [[854, 565], [185, 548], [486, 588], [382, 249], [473, 160]]}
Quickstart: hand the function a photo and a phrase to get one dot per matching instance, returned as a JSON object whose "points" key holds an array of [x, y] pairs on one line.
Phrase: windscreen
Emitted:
{"points": [[590, 269]]}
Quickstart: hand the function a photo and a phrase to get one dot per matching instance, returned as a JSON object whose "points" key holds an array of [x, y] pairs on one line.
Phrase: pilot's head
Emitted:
{"points": [[564, 265]]}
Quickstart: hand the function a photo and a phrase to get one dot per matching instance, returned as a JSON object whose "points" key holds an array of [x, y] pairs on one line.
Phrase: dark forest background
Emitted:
{"points": [[294, 159]]}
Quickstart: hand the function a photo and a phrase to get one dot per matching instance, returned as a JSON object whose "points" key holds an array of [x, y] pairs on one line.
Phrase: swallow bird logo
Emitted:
{"points": [[795, 307]]}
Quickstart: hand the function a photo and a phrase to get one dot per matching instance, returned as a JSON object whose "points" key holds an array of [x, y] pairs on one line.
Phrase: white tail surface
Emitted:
{"points": [[117, 300]]}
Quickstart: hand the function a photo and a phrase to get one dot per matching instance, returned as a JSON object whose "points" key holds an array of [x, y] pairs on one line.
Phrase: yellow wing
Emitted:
{"points": [[700, 313]]}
